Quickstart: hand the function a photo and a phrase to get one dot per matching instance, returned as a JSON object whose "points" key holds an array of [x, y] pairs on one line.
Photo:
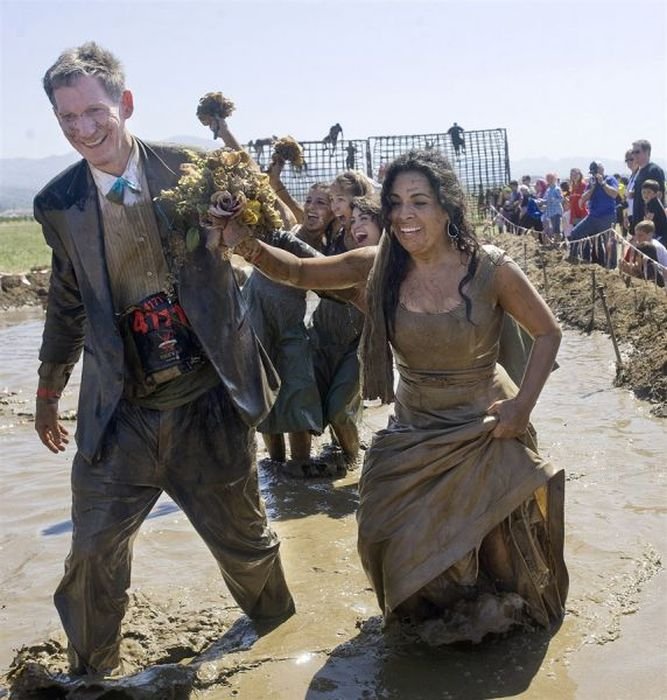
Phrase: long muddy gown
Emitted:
{"points": [[435, 481], [276, 313]]}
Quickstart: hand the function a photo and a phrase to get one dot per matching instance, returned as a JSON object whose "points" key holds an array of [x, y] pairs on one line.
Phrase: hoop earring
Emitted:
{"points": [[453, 231]]}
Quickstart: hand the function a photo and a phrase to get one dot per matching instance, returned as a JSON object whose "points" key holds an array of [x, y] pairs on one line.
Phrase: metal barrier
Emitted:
{"points": [[481, 163]]}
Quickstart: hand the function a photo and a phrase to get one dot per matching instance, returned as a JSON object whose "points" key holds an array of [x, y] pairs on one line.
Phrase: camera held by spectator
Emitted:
{"points": [[596, 177]]}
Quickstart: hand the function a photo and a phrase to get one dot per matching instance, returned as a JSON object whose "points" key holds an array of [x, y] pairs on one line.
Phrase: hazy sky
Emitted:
{"points": [[565, 78]]}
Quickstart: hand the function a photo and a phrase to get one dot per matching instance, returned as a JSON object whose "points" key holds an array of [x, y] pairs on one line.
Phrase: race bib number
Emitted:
{"points": [[165, 345]]}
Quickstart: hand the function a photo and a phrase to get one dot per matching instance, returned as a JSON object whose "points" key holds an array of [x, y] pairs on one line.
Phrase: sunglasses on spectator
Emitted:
{"points": [[629, 160], [636, 152]]}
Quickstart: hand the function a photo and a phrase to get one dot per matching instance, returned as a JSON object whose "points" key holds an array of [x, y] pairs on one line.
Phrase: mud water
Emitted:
{"points": [[184, 635]]}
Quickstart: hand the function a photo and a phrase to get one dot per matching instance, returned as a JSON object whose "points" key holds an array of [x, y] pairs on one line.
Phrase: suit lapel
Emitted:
{"points": [[159, 176], [84, 222]]}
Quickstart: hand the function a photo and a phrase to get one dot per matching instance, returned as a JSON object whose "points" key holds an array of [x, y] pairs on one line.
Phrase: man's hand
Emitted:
{"points": [[52, 433]]}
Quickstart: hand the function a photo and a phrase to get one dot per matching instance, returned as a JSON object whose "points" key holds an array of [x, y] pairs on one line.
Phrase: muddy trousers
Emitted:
{"points": [[202, 456]]}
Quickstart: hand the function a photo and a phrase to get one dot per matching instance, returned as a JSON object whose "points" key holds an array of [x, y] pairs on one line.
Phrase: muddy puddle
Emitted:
{"points": [[183, 636]]}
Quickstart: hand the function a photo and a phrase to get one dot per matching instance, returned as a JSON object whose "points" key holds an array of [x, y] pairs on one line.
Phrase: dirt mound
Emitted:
{"points": [[27, 289], [637, 310]]}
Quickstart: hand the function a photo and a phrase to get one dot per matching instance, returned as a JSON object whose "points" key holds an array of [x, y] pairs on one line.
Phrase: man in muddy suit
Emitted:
{"points": [[173, 376]]}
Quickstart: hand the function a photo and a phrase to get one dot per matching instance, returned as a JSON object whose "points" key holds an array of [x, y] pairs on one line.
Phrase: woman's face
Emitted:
{"points": [[340, 205], [575, 175], [365, 230], [317, 214], [417, 218]]}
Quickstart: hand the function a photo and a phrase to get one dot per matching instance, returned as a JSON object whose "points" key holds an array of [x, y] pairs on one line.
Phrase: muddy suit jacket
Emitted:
{"points": [[80, 313]]}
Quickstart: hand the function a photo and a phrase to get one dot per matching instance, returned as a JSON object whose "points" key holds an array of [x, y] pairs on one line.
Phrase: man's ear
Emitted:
{"points": [[126, 104]]}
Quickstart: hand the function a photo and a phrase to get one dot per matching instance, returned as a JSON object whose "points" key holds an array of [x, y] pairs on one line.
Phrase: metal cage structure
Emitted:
{"points": [[481, 162]]}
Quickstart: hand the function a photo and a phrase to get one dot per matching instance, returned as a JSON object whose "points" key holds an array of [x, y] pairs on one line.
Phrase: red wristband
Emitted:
{"points": [[44, 393]]}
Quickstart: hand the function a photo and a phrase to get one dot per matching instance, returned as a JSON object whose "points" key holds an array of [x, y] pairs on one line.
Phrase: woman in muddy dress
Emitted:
{"points": [[459, 516], [276, 312], [335, 332], [344, 188]]}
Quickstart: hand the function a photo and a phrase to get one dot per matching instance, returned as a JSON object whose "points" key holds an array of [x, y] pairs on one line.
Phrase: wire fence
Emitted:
{"points": [[607, 248], [479, 158]]}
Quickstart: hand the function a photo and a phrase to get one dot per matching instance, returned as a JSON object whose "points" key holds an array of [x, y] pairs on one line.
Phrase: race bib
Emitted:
{"points": [[164, 344]]}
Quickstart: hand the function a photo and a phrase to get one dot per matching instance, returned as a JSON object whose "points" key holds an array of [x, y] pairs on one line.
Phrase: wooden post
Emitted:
{"points": [[591, 325], [544, 272], [603, 297], [525, 257]]}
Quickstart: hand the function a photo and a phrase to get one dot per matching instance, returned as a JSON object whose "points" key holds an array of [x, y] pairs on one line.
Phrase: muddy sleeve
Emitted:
{"points": [[64, 327]]}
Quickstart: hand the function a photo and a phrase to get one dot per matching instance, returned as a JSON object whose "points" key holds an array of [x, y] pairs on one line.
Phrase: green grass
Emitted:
{"points": [[22, 247]]}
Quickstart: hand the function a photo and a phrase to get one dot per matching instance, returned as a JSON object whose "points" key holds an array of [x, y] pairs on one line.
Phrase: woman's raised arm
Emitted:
{"points": [[333, 272]]}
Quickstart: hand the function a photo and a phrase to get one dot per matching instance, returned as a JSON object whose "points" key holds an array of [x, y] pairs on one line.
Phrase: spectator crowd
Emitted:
{"points": [[615, 220]]}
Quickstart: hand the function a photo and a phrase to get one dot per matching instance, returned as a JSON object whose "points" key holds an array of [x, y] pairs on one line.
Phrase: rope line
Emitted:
{"points": [[646, 260]]}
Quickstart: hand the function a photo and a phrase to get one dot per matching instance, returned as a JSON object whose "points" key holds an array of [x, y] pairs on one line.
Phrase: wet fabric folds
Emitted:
{"points": [[202, 455], [435, 482]]}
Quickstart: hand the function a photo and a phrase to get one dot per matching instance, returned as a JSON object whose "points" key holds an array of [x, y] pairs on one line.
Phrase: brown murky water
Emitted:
{"points": [[612, 643]]}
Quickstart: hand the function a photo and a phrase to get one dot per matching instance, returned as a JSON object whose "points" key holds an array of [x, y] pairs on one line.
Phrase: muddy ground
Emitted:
{"points": [[192, 642], [638, 309]]}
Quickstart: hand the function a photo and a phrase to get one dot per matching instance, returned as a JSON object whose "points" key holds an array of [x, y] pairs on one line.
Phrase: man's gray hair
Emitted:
{"points": [[87, 59], [643, 144]]}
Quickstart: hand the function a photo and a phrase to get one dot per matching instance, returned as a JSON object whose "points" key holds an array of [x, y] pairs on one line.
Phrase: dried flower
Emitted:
{"points": [[223, 183], [213, 108], [288, 149], [227, 205]]}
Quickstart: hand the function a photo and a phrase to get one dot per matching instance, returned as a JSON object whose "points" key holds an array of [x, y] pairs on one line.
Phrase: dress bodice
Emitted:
{"points": [[437, 342]]}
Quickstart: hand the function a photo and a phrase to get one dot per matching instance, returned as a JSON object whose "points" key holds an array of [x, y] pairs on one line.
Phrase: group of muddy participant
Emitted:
{"points": [[454, 548]]}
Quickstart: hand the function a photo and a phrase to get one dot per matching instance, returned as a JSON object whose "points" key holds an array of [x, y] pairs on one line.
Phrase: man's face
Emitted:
{"points": [[94, 123], [641, 156]]}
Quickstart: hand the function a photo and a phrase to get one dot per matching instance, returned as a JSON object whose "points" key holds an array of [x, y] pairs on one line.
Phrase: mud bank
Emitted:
{"points": [[637, 308]]}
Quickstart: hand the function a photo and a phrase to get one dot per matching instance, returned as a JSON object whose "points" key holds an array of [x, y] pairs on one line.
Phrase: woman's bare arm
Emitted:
{"points": [[274, 171], [227, 137], [521, 300], [332, 272]]}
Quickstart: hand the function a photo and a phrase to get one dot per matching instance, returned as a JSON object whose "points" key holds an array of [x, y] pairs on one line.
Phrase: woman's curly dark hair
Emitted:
{"points": [[446, 186]]}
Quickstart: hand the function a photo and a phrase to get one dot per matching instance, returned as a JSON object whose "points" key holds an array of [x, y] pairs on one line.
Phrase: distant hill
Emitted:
{"points": [[22, 178]]}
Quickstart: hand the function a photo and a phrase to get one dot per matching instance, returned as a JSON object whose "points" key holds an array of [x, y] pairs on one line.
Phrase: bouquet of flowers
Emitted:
{"points": [[225, 184], [212, 108], [288, 149]]}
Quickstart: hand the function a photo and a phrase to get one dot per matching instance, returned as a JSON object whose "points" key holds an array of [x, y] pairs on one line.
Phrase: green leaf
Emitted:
{"points": [[191, 239]]}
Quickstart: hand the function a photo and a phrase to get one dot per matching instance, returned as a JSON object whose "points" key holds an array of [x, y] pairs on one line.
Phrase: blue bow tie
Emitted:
{"points": [[117, 192]]}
